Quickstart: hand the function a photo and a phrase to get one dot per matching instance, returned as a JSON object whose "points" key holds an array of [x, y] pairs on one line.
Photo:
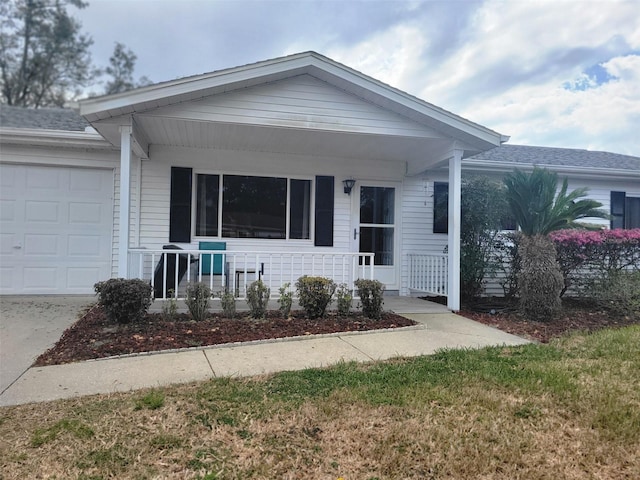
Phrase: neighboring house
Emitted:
{"points": [[612, 179], [255, 158]]}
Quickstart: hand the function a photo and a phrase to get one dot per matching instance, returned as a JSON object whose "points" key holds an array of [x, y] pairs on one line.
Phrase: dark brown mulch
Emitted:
{"points": [[93, 336], [576, 316]]}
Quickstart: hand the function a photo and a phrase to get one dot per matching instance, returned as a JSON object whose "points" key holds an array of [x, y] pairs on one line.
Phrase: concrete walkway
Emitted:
{"points": [[437, 329]]}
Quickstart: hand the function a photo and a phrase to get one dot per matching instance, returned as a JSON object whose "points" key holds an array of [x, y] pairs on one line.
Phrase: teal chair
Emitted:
{"points": [[218, 266]]}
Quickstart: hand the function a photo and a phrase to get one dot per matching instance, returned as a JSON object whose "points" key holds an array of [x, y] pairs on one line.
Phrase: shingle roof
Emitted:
{"points": [[42, 118], [551, 156]]}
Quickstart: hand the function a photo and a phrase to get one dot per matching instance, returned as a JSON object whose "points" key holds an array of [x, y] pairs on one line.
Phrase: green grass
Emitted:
{"points": [[48, 434], [152, 401], [563, 410]]}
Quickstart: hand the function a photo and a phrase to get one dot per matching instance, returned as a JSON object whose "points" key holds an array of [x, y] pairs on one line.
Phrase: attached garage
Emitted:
{"points": [[55, 228]]}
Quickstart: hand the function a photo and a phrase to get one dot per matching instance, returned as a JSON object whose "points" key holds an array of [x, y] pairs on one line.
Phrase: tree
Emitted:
{"points": [[484, 210], [539, 210], [121, 66], [43, 54]]}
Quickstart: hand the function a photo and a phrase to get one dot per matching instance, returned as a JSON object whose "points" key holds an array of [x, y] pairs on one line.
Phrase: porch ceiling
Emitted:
{"points": [[263, 138]]}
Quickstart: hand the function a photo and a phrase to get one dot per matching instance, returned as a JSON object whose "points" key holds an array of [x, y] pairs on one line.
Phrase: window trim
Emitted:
{"points": [[221, 175]]}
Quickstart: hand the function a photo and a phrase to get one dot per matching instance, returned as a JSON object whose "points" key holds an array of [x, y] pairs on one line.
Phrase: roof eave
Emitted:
{"points": [[576, 171], [57, 138], [341, 76]]}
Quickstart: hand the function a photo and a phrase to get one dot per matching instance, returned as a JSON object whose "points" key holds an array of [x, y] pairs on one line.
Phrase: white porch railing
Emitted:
{"points": [[429, 273], [234, 270]]}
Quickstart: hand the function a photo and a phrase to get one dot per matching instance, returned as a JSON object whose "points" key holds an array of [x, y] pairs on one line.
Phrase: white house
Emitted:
{"points": [[255, 160]]}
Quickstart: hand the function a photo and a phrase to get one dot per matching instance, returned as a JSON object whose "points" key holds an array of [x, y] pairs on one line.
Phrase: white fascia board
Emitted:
{"points": [[309, 62], [94, 107], [582, 172], [57, 138], [408, 101]]}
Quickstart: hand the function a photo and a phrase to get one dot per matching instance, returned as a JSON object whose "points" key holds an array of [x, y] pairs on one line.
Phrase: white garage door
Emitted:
{"points": [[55, 229]]}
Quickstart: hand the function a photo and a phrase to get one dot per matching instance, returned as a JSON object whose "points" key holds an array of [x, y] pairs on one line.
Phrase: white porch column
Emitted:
{"points": [[125, 200], [455, 179]]}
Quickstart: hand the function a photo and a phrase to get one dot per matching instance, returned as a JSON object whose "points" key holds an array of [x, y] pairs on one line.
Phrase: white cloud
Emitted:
{"points": [[504, 64], [602, 118], [393, 56]]}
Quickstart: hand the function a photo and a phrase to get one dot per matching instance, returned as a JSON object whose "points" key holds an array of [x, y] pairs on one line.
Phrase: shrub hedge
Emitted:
{"points": [[370, 293], [315, 294], [124, 300]]}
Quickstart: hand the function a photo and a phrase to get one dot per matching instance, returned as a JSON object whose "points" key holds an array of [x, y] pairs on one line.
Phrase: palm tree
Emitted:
{"points": [[538, 209]]}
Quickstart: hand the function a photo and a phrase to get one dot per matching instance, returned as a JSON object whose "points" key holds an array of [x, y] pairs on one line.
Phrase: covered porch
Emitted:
{"points": [[309, 121]]}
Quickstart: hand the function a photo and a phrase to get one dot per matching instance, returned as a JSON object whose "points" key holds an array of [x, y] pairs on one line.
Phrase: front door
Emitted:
{"points": [[376, 229]]}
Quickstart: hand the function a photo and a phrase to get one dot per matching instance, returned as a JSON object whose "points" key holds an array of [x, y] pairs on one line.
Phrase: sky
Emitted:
{"points": [[551, 73]]}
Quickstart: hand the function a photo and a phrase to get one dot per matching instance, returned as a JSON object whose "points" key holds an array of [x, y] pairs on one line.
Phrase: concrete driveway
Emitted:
{"points": [[31, 324]]}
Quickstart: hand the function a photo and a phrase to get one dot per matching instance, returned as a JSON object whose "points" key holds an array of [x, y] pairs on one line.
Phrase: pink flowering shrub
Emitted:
{"points": [[585, 255]]}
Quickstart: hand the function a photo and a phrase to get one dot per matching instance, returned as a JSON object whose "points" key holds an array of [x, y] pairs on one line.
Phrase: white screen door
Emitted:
{"points": [[376, 230]]}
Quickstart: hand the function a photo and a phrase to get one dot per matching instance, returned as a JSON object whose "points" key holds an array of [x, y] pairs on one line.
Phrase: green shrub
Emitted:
{"points": [[618, 292], [198, 295], [124, 300], [370, 293], [314, 294], [170, 307], [228, 302], [286, 299], [345, 299], [483, 211], [258, 298], [586, 256]]}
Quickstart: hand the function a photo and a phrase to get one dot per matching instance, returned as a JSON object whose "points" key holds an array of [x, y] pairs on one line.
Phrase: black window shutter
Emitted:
{"points": [[617, 209], [324, 211], [440, 207], [180, 207]]}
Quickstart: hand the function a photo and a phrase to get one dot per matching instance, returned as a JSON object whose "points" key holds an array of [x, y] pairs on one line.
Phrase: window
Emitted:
{"points": [[632, 214], [208, 189], [244, 206], [440, 207], [625, 210], [254, 207]]}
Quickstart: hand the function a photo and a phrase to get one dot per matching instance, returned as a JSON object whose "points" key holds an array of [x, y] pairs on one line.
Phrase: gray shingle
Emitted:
{"points": [[548, 156], [42, 118]]}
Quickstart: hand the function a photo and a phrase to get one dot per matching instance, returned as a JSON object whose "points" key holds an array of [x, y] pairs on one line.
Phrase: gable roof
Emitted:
{"points": [[569, 160], [42, 118], [98, 110]]}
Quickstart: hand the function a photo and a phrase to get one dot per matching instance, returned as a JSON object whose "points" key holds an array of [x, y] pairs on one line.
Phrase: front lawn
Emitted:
{"points": [[569, 409]]}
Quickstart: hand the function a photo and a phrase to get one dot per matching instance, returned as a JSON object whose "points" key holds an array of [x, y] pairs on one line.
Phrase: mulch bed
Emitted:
{"points": [[576, 316], [93, 336]]}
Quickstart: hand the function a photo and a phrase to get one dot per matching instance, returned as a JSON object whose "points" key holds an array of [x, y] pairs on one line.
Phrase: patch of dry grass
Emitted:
{"points": [[568, 410]]}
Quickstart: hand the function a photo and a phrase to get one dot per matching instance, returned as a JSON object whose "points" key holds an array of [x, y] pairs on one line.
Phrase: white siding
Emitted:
{"points": [[417, 220], [600, 190], [297, 102], [154, 224]]}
